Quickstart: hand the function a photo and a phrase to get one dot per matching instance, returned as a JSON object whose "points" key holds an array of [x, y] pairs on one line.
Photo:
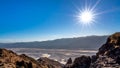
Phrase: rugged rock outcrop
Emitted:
{"points": [[109, 53], [108, 56], [69, 63], [50, 63], [112, 47], [9, 59], [79, 62], [105, 62], [82, 62]]}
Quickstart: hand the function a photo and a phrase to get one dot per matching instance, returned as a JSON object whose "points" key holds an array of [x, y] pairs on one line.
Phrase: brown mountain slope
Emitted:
{"points": [[9, 59]]}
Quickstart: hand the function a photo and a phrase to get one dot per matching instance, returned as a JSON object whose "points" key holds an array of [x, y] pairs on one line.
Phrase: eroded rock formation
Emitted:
{"points": [[108, 56], [109, 53], [9, 59]]}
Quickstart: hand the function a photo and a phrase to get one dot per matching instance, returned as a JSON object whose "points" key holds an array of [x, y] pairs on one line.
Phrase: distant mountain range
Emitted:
{"points": [[88, 42]]}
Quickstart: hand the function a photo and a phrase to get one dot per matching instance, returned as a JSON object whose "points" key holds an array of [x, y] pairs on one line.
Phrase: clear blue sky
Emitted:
{"points": [[37, 20]]}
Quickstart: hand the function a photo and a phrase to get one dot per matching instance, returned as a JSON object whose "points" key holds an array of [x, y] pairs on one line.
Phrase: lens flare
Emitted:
{"points": [[86, 17]]}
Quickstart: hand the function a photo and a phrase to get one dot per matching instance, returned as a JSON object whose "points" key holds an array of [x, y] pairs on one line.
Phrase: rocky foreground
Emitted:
{"points": [[108, 56], [9, 59]]}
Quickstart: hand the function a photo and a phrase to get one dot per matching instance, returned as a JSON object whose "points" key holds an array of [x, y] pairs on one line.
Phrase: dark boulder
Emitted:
{"points": [[69, 63], [20, 64], [93, 58], [80, 62]]}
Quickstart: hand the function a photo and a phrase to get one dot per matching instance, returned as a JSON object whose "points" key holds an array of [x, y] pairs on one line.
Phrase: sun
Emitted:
{"points": [[86, 17], [88, 14]]}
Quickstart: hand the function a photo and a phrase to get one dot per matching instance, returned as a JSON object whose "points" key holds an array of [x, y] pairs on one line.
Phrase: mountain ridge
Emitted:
{"points": [[94, 42]]}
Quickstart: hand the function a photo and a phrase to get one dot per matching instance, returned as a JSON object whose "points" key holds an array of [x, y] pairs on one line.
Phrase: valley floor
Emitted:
{"points": [[60, 55]]}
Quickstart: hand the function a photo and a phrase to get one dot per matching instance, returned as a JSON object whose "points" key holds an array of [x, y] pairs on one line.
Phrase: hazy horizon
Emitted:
{"points": [[19, 41]]}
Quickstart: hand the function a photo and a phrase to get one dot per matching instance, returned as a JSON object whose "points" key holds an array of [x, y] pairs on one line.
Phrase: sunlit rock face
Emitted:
{"points": [[9, 59], [109, 53], [112, 46], [108, 56]]}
